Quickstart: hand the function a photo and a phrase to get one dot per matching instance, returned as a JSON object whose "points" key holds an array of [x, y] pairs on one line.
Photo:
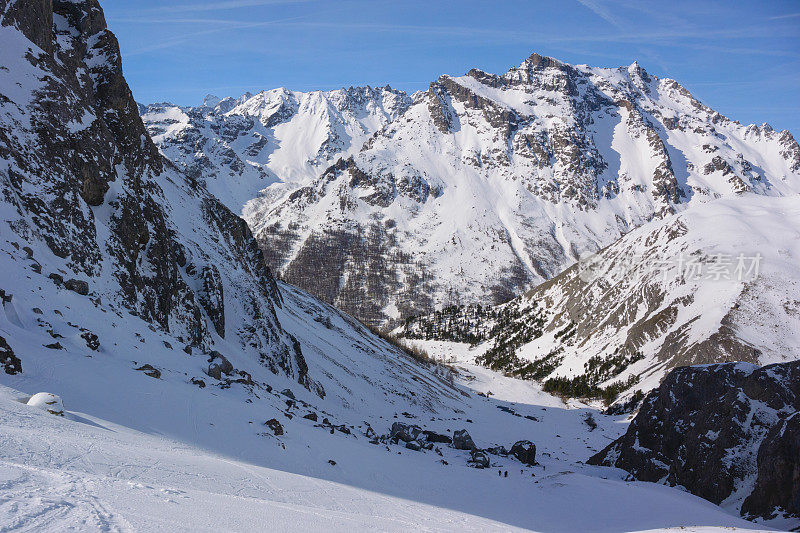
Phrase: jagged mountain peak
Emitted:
{"points": [[240, 146], [528, 169]]}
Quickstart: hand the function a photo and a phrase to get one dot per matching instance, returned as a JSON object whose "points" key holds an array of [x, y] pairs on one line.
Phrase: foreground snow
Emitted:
{"points": [[86, 473]]}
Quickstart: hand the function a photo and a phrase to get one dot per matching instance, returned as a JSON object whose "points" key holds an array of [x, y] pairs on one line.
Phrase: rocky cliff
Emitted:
{"points": [[726, 432]]}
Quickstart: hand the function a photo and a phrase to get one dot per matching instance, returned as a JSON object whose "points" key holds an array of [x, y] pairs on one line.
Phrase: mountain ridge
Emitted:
{"points": [[527, 170]]}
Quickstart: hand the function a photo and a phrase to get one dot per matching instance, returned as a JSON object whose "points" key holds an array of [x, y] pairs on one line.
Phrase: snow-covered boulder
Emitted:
{"points": [[48, 402]]}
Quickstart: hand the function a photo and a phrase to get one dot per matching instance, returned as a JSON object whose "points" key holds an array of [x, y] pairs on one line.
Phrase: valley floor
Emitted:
{"points": [[80, 472]]}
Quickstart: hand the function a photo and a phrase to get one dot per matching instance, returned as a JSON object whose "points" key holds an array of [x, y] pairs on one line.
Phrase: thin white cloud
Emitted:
{"points": [[600, 10], [220, 6], [787, 16]]}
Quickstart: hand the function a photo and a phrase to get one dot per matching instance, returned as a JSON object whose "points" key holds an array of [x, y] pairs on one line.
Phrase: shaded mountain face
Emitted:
{"points": [[716, 282], [526, 171], [89, 199], [727, 433]]}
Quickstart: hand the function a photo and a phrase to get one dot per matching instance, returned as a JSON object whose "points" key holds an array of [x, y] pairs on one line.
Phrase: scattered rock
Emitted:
{"points": [[331, 462], [92, 342], [479, 459], [524, 451], [275, 426], [498, 450], [405, 432], [37, 311], [54, 346], [463, 441], [150, 370], [77, 285], [58, 279], [311, 416], [288, 393], [199, 382]]}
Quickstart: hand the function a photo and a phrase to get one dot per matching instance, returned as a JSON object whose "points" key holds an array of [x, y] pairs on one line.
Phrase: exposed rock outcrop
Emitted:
{"points": [[161, 247], [713, 430]]}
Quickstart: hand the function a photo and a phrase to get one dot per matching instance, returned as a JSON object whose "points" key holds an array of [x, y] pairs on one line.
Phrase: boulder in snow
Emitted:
{"points": [[525, 451], [77, 285], [463, 441], [275, 426], [479, 459], [405, 432]]}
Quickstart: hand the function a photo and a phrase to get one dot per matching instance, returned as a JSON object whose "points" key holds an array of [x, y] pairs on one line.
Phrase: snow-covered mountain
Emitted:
{"points": [[237, 147], [716, 282], [154, 376], [523, 171]]}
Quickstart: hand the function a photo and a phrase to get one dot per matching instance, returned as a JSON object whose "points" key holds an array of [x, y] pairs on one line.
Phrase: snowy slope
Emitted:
{"points": [[198, 391], [716, 282], [525, 171], [85, 471], [237, 147]]}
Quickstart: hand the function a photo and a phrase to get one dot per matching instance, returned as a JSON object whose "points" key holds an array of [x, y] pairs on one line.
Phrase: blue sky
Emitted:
{"points": [[740, 58]]}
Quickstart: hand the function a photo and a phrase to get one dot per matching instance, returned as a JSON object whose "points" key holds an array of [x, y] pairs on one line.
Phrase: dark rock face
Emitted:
{"points": [[34, 18], [211, 297], [463, 441], [414, 445], [9, 361], [167, 251], [431, 436], [778, 482], [525, 451], [702, 427]]}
